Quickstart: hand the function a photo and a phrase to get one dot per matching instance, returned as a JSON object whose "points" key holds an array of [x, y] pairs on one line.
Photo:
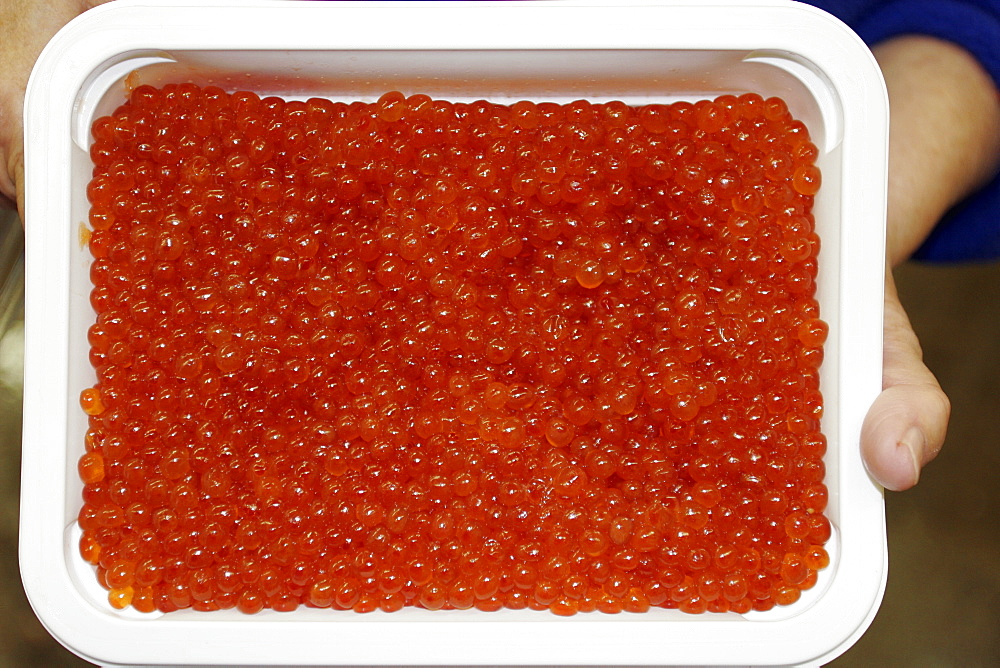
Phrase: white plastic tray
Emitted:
{"points": [[638, 52]]}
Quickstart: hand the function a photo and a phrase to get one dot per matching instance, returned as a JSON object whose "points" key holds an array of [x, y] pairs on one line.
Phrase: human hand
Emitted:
{"points": [[905, 426], [26, 27], [944, 142]]}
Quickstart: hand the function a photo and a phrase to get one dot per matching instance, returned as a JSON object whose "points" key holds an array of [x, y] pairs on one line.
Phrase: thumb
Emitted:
{"points": [[906, 424]]}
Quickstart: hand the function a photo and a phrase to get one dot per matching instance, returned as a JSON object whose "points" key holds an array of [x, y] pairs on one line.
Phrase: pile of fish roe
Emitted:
{"points": [[415, 352]]}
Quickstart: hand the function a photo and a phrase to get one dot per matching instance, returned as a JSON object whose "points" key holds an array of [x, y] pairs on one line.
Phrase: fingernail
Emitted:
{"points": [[915, 443]]}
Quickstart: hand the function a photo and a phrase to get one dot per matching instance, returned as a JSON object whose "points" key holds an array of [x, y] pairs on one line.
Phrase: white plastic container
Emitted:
{"points": [[638, 52]]}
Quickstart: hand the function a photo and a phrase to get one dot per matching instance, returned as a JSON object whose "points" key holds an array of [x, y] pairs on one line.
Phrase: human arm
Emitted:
{"points": [[944, 143]]}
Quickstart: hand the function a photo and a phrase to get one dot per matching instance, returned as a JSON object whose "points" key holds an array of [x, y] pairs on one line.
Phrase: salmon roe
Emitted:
{"points": [[450, 355]]}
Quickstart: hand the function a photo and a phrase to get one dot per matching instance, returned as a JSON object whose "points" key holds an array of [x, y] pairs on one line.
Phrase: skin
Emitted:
{"points": [[945, 114], [27, 26]]}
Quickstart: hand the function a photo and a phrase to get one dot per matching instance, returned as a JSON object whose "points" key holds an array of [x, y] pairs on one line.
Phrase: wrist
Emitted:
{"points": [[944, 137]]}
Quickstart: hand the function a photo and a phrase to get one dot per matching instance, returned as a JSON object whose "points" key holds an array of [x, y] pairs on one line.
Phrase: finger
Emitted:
{"points": [[906, 425], [26, 27], [15, 167], [19, 196]]}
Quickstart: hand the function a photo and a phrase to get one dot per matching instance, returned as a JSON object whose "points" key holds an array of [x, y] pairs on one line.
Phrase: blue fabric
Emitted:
{"points": [[971, 231]]}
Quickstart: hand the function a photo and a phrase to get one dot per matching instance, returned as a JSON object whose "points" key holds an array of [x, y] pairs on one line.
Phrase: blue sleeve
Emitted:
{"points": [[971, 231]]}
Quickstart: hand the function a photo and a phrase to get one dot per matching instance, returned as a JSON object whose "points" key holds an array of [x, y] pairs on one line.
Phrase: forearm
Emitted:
{"points": [[944, 134]]}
